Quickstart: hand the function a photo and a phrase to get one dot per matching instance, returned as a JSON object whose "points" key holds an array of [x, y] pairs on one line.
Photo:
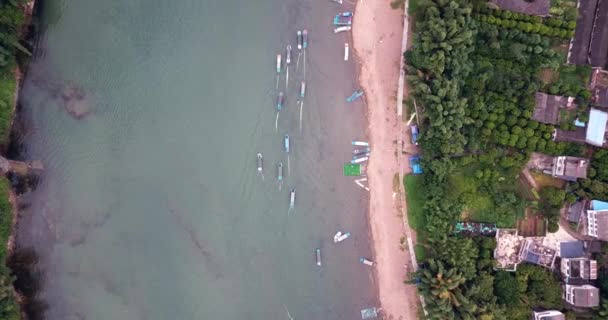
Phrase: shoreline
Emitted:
{"points": [[377, 42]]}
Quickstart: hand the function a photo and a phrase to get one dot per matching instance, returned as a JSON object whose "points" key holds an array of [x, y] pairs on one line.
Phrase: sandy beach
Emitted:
{"points": [[377, 34]]}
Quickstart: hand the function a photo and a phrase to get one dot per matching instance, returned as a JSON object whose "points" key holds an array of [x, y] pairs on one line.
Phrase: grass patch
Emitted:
{"points": [[397, 4], [415, 201], [545, 180], [8, 85], [420, 252], [575, 75]]}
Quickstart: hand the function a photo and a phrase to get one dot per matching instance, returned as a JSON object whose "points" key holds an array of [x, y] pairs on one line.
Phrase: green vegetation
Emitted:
{"points": [[9, 309], [414, 191], [474, 71]]}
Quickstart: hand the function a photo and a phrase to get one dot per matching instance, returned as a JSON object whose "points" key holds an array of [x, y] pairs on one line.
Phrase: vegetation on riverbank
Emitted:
{"points": [[12, 20], [474, 72]]}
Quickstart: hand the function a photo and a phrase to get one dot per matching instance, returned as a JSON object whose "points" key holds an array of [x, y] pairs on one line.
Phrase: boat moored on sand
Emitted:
{"points": [[356, 95], [346, 52], [339, 237], [342, 29], [343, 19]]}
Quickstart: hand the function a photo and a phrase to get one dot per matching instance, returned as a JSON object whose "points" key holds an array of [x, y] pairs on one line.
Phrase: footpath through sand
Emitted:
{"points": [[378, 33]]}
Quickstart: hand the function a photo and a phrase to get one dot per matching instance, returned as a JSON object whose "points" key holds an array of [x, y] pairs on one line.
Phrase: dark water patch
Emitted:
{"points": [[28, 280]]}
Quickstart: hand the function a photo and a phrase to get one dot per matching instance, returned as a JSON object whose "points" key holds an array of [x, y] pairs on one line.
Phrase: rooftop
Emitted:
{"points": [[547, 107], [571, 249], [575, 210], [535, 8], [600, 97], [549, 315], [579, 46], [570, 168], [596, 128], [508, 245], [598, 49], [534, 251], [583, 296]]}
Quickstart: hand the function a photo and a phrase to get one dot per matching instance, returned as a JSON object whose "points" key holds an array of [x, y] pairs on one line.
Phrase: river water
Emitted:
{"points": [[150, 206]]}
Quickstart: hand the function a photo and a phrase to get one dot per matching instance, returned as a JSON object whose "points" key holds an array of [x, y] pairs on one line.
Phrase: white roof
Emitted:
{"points": [[596, 127]]}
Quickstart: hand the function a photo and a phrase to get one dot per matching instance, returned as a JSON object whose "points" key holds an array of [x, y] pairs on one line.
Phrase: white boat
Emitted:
{"points": [[299, 36], [337, 1], [339, 237], [360, 143], [359, 160], [288, 56], [346, 52], [342, 29], [260, 162], [292, 199], [367, 262], [318, 253], [279, 63]]}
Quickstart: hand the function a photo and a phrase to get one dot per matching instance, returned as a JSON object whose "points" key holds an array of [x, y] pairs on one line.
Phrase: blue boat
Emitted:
{"points": [[286, 143], [305, 38], [280, 99], [356, 95], [343, 19]]}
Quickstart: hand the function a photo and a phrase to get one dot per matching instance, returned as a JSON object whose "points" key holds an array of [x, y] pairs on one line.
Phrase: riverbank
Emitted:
{"points": [[377, 34]]}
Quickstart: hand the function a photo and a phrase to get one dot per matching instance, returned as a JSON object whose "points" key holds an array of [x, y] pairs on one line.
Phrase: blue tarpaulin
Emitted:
{"points": [[599, 205], [415, 165], [596, 127]]}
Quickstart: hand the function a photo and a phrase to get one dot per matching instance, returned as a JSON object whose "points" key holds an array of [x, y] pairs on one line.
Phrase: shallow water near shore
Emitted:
{"points": [[148, 116]]}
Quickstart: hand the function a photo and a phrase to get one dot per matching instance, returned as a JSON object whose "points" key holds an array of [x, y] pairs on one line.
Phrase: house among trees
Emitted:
{"points": [[576, 210], [595, 221], [590, 42], [584, 296], [579, 269], [547, 107], [513, 249], [570, 168], [535, 8], [594, 133], [549, 315]]}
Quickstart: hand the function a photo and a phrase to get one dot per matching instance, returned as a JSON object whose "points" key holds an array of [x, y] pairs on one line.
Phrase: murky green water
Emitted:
{"points": [[150, 207]]}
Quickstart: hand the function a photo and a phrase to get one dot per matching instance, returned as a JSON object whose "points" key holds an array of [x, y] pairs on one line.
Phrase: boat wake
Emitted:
{"points": [[298, 61], [280, 185], [288, 168], [301, 107], [289, 315], [276, 122], [287, 79], [304, 64]]}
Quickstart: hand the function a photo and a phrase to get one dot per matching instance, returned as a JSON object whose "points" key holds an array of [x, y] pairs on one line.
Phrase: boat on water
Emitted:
{"points": [[343, 19], [299, 33], [292, 198], [279, 63], [337, 1], [359, 160], [360, 143], [286, 143], [280, 171], [280, 99], [346, 52], [318, 253], [288, 55], [339, 237], [367, 262], [302, 89], [342, 29], [305, 38], [359, 155], [260, 162], [356, 95], [362, 150]]}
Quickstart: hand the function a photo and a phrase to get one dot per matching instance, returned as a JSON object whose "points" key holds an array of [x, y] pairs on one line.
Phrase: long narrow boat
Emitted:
{"points": [[280, 99], [356, 95], [260, 162], [288, 55], [359, 155], [360, 143], [346, 52], [367, 262], [299, 34], [339, 237], [359, 160], [280, 171], [292, 198], [286, 143], [342, 29], [318, 253], [302, 89], [343, 19], [279, 63], [362, 150], [305, 38]]}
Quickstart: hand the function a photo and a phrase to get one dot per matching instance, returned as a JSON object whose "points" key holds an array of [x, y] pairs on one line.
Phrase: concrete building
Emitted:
{"points": [[570, 168], [579, 268], [549, 315], [547, 107], [583, 296]]}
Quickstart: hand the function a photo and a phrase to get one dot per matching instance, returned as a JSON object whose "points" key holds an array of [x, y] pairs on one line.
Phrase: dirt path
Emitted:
{"points": [[377, 36]]}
